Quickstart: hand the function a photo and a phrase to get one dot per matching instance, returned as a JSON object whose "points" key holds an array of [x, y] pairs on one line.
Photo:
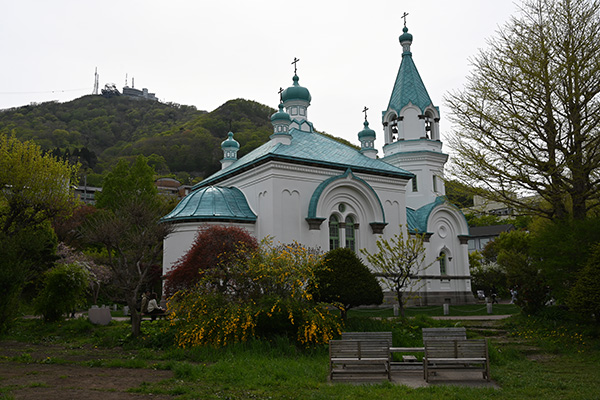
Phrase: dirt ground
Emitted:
{"points": [[49, 381]]}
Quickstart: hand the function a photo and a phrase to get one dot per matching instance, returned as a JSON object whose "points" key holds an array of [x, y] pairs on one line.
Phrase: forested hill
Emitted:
{"points": [[179, 140]]}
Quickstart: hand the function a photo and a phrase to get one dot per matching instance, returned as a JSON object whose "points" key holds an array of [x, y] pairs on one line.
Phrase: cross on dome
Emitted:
{"points": [[295, 66], [365, 111], [404, 16]]}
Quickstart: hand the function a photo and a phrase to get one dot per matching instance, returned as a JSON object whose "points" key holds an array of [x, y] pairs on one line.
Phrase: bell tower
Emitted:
{"points": [[411, 131]]}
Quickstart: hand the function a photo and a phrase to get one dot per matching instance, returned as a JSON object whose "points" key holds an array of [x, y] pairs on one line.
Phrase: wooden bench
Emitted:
{"points": [[368, 336], [359, 360], [456, 354], [444, 334]]}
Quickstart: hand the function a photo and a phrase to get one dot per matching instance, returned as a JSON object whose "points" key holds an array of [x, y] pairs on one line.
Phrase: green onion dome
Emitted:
{"points": [[405, 37], [281, 115], [366, 133], [296, 92], [230, 142]]}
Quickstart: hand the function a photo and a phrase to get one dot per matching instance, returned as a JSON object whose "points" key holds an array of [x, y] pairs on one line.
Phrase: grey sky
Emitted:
{"points": [[204, 53]]}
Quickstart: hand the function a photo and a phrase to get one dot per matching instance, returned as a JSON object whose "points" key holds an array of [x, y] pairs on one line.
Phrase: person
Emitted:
{"points": [[145, 299], [153, 307], [513, 296], [494, 295]]}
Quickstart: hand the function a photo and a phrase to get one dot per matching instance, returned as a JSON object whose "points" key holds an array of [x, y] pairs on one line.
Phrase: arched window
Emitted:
{"points": [[443, 263], [350, 234], [334, 232]]}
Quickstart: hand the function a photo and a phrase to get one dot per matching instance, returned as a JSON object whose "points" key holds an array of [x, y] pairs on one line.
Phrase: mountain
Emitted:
{"points": [[180, 140]]}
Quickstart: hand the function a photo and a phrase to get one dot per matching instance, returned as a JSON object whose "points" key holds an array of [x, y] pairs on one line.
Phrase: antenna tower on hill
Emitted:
{"points": [[95, 82]]}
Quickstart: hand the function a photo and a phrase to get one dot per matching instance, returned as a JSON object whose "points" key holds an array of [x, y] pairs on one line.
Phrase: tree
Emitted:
{"points": [[345, 281], [127, 181], [528, 118], [215, 248], [130, 232], [35, 187], [399, 261], [522, 270]]}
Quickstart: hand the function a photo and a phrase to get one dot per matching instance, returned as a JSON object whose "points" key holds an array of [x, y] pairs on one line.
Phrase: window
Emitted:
{"points": [[350, 234], [334, 233], [414, 184], [434, 184], [443, 263]]}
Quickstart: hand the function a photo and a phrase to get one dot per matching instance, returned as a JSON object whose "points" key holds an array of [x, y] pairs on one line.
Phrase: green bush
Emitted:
{"points": [[64, 290], [584, 297], [343, 280]]}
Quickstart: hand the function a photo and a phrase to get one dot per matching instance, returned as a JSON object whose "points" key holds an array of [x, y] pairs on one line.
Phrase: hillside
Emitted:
{"points": [[179, 140]]}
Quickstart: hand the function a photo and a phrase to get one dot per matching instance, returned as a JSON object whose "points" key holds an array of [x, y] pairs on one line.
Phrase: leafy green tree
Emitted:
{"points": [[344, 281], [126, 182], [35, 186], [522, 271], [584, 296], [528, 119], [64, 290], [399, 261], [130, 232]]}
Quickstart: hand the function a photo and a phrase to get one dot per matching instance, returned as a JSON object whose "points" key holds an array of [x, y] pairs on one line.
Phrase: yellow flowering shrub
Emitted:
{"points": [[267, 295]]}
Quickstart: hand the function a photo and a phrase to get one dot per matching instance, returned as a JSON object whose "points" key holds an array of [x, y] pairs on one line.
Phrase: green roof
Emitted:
{"points": [[212, 203], [309, 148], [417, 219], [409, 87]]}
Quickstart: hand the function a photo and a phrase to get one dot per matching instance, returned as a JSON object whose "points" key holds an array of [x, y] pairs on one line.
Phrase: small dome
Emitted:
{"points": [[230, 142], [296, 92], [281, 115], [405, 37], [212, 203], [366, 133]]}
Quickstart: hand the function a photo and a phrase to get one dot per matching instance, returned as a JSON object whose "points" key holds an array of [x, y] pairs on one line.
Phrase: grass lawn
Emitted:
{"points": [[537, 358]]}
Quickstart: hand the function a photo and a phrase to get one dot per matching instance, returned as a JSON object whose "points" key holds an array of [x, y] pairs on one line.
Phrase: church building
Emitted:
{"points": [[305, 187]]}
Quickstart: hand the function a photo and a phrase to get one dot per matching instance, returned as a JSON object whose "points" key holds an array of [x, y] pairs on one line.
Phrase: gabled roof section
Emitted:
{"points": [[309, 148], [409, 87], [417, 219], [212, 203]]}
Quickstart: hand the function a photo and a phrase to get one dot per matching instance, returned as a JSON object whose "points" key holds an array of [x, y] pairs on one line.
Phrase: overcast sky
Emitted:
{"points": [[204, 53]]}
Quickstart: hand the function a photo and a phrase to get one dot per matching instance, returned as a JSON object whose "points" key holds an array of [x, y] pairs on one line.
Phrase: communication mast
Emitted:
{"points": [[96, 77]]}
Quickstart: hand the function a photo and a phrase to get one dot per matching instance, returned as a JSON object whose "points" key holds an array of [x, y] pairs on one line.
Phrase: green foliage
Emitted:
{"points": [[561, 249], [343, 280], [584, 296], [12, 278], [126, 182], [64, 290], [35, 186], [266, 297], [513, 249], [130, 232], [459, 194]]}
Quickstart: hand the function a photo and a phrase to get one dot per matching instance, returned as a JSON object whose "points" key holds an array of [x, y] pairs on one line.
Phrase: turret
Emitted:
{"points": [[230, 148]]}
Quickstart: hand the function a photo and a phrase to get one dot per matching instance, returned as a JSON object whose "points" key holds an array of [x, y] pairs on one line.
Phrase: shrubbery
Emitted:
{"points": [[585, 295], [266, 296], [64, 290], [344, 281]]}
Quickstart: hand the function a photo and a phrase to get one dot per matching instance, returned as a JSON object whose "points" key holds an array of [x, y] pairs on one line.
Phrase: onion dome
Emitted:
{"points": [[366, 133], [230, 143], [405, 37], [281, 116], [296, 92]]}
